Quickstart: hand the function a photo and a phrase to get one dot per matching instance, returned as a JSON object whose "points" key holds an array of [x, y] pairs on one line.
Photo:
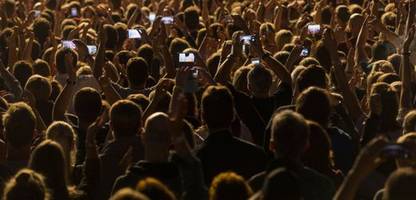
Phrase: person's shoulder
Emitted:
{"points": [[318, 178]]}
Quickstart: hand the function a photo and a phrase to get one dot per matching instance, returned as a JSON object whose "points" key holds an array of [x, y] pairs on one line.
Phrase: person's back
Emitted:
{"points": [[290, 134], [156, 163], [221, 151]]}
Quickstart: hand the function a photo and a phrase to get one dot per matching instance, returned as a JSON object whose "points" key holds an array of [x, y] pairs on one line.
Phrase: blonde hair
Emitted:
{"points": [[62, 133], [26, 184]]}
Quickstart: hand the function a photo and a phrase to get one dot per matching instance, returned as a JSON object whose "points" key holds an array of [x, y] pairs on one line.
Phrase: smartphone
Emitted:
{"points": [[74, 12], [134, 34], [394, 151], [36, 13], [152, 17], [68, 44], [92, 49], [167, 20], [247, 39], [304, 52], [255, 61], [314, 29], [186, 57]]}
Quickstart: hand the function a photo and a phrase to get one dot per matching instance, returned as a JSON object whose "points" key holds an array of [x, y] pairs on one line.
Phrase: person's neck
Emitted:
{"points": [[18, 154]]}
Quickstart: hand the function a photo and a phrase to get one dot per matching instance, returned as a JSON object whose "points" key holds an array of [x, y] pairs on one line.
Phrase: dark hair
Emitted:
{"points": [[60, 59], [41, 27], [17, 135], [26, 184], [146, 52], [281, 56], [87, 103], [126, 118], [41, 67], [217, 107], [306, 105], [112, 36], [22, 70], [317, 156], [137, 71], [399, 186], [343, 13], [48, 159], [290, 134], [154, 189], [311, 76], [191, 17], [326, 15]]}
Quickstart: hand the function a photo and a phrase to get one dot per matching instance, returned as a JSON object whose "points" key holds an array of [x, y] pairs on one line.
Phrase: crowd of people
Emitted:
{"points": [[207, 99]]}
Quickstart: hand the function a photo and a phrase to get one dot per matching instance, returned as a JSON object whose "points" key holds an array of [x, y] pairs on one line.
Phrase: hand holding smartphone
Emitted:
{"points": [[167, 20], [68, 44], [92, 49], [314, 29], [133, 34]]}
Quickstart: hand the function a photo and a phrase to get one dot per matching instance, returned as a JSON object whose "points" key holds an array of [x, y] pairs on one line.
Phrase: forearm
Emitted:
{"points": [[99, 61], [62, 102], [278, 69], [223, 73], [111, 94], [349, 186], [405, 94], [12, 83], [168, 61]]}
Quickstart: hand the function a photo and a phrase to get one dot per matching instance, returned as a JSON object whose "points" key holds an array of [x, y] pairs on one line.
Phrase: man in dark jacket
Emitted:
{"points": [[221, 151], [156, 164], [289, 138]]}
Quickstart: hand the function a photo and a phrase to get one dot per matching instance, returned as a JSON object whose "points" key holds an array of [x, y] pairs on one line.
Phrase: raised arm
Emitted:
{"points": [[406, 75], [350, 98], [224, 70], [111, 95], [11, 82], [360, 52], [278, 68], [100, 58], [64, 98]]}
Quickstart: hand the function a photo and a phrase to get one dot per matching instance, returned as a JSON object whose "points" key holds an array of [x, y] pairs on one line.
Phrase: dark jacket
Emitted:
{"points": [[110, 159], [222, 152], [166, 172], [314, 186]]}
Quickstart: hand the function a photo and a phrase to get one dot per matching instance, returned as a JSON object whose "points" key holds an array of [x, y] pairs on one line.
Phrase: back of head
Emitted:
{"points": [[48, 160], [137, 71], [311, 76], [22, 70], [191, 17], [62, 133], [17, 135], [409, 122], [229, 185], [42, 68], [154, 189], [259, 80], [290, 134], [317, 156], [87, 103], [217, 107], [281, 184], [307, 101], [126, 118], [401, 185], [128, 194], [60, 59], [156, 134], [41, 27], [40, 87], [26, 184]]}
